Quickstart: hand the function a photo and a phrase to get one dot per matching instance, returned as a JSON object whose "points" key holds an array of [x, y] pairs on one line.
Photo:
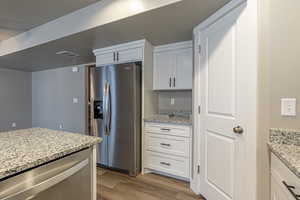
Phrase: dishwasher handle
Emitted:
{"points": [[32, 191]]}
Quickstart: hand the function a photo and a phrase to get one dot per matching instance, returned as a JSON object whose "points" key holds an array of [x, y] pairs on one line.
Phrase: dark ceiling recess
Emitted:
{"points": [[171, 25]]}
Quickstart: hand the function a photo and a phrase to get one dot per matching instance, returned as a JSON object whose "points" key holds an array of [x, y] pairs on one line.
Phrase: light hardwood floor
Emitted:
{"points": [[116, 186]]}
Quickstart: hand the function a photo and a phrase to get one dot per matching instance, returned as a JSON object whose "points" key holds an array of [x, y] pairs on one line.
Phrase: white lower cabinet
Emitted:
{"points": [[168, 149], [284, 184]]}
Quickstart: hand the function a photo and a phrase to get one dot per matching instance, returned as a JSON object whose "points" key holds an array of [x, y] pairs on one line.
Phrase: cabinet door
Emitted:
{"points": [[129, 55], [163, 70], [105, 59], [183, 70]]}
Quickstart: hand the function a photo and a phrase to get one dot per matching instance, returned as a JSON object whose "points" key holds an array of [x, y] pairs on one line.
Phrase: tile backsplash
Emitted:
{"points": [[182, 102]]}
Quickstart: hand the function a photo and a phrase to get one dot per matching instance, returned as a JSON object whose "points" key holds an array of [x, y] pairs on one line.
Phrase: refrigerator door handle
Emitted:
{"points": [[105, 98], [109, 107]]}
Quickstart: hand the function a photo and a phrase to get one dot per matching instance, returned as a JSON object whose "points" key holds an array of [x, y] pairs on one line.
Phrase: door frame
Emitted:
{"points": [[249, 30]]}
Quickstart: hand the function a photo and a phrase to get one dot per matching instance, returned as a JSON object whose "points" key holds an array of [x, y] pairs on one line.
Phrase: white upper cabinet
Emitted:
{"points": [[126, 55], [164, 70], [123, 53], [184, 69], [173, 66]]}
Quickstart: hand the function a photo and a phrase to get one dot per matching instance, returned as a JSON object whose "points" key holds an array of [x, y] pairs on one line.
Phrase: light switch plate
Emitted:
{"points": [[288, 106], [14, 125]]}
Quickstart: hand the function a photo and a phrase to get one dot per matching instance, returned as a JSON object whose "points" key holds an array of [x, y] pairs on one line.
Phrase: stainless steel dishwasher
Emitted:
{"points": [[68, 178]]}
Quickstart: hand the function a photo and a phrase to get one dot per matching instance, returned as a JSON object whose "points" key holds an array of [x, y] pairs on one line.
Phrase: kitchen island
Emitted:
{"points": [[46, 164]]}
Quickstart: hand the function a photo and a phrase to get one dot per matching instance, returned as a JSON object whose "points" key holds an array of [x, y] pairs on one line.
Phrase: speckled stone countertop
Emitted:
{"points": [[285, 144], [24, 149], [167, 119]]}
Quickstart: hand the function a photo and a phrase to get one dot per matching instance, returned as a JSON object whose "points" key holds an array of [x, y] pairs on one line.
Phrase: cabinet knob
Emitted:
{"points": [[238, 130]]}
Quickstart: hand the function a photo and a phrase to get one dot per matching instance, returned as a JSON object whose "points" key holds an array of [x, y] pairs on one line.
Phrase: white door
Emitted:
{"points": [[184, 69], [223, 105], [164, 63]]}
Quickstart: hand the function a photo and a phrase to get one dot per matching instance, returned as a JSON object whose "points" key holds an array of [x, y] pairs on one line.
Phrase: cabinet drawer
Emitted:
{"points": [[172, 165], [282, 175], [177, 146], [167, 129]]}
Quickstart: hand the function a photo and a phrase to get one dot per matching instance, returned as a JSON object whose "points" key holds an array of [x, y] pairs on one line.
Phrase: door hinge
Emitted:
{"points": [[198, 169], [200, 49], [199, 109]]}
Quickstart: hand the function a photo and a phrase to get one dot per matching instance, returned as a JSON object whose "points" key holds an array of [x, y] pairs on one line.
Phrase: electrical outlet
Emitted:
{"points": [[61, 126], [172, 101], [288, 106], [75, 100], [14, 125]]}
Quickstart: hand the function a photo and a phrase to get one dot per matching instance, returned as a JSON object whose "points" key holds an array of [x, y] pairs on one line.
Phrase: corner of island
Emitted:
{"points": [[40, 163]]}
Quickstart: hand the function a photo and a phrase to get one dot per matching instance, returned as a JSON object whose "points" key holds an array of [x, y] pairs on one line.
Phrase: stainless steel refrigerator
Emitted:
{"points": [[117, 111]]}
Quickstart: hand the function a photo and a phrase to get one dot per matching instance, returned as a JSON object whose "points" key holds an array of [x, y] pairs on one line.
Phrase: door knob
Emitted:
{"points": [[238, 130]]}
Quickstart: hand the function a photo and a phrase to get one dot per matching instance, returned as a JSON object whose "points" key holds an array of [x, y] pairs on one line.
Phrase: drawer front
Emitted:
{"points": [[173, 165], [168, 129], [284, 177], [177, 146]]}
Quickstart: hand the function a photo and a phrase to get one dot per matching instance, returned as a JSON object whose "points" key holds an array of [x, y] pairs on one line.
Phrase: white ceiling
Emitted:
{"points": [[19, 16], [164, 25]]}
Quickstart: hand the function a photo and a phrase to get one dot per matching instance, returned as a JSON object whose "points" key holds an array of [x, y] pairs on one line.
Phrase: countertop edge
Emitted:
{"points": [[285, 162], [46, 159]]}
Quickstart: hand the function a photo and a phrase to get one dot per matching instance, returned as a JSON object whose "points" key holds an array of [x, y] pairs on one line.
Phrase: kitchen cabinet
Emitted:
{"points": [[168, 149], [284, 184], [123, 53], [173, 66]]}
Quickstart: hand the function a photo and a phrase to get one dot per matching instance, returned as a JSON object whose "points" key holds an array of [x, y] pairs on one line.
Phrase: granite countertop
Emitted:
{"points": [[285, 144], [24, 149], [172, 120]]}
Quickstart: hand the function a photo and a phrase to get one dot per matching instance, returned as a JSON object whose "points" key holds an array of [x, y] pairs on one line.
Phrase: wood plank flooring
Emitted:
{"points": [[116, 186]]}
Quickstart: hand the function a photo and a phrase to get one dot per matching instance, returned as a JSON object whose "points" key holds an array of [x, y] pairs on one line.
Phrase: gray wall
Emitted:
{"points": [[15, 99], [52, 99], [278, 77], [183, 101]]}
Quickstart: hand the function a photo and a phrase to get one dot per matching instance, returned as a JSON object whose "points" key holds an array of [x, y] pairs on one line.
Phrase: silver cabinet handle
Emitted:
{"points": [[174, 82], [165, 129], [114, 56], [32, 191], [164, 144], [164, 163], [170, 82], [291, 190], [117, 56]]}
